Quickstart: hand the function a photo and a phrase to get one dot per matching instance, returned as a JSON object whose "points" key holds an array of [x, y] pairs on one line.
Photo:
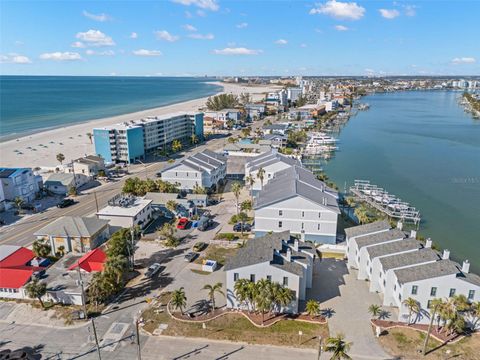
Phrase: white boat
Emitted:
{"points": [[314, 149], [321, 138]]}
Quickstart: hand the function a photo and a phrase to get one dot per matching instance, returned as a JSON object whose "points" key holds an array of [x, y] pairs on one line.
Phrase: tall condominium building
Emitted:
{"points": [[130, 141]]}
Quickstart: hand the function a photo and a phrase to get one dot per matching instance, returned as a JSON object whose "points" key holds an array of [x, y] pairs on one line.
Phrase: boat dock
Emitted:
{"points": [[388, 204]]}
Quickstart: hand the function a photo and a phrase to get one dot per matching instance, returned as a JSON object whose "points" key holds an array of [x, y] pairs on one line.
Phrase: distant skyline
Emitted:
{"points": [[222, 38]]}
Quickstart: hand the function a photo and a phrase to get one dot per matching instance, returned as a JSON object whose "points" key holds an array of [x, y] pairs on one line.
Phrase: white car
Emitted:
{"points": [[152, 270]]}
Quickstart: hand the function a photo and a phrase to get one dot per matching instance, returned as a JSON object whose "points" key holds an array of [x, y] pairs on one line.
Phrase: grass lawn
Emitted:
{"points": [[406, 343], [234, 327], [217, 253]]}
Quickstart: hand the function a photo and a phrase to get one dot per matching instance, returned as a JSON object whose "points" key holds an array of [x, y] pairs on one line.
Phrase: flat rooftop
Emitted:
{"points": [[127, 211]]}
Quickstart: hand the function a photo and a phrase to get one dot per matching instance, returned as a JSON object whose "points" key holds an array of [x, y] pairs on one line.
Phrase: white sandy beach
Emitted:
{"points": [[74, 141]]}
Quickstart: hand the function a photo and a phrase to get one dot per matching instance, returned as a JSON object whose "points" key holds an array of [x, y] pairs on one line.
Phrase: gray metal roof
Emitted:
{"points": [[206, 160], [426, 271], [367, 228], [73, 226], [378, 238], [408, 259], [269, 158], [393, 247], [293, 183], [64, 179]]}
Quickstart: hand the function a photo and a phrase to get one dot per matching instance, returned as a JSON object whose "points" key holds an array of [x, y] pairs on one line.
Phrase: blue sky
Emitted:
{"points": [[215, 37]]}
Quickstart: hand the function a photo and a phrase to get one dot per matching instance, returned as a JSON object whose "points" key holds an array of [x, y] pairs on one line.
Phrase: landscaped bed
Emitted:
{"points": [[407, 344], [216, 253]]}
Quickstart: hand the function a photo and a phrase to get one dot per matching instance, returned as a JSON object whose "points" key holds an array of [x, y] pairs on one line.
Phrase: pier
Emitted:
{"points": [[388, 204]]}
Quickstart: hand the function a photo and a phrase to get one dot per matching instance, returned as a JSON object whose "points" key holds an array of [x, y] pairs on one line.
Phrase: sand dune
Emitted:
{"points": [[40, 149]]}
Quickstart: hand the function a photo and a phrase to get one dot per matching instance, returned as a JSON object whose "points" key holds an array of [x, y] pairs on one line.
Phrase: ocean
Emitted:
{"points": [[33, 103], [422, 147]]}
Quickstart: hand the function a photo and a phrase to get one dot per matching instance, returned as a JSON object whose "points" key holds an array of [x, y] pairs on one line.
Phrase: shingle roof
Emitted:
{"points": [[73, 226], [426, 271], [206, 160], [64, 179], [378, 238], [407, 259], [470, 277], [367, 228], [269, 158], [393, 247], [288, 266]]}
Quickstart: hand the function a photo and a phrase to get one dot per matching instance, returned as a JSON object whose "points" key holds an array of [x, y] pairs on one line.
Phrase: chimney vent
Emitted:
{"points": [[413, 234], [466, 267], [295, 245], [289, 254], [428, 243], [446, 254], [399, 225], [302, 235]]}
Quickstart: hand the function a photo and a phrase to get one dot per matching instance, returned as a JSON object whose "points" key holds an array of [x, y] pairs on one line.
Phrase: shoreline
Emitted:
{"points": [[39, 149]]}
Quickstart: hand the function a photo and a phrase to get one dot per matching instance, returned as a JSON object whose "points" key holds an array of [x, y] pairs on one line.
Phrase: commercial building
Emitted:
{"points": [[295, 200], [127, 211], [76, 234], [133, 140], [205, 169], [399, 267], [18, 182], [277, 257]]}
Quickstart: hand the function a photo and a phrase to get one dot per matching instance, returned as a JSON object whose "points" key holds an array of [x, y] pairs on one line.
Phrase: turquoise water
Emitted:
{"points": [[33, 103], [422, 147]]}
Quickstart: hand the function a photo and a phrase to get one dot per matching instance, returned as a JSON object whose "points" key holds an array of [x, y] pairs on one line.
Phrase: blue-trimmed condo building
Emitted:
{"points": [[133, 140]]}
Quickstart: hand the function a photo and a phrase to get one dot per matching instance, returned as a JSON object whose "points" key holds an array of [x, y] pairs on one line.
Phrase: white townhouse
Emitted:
{"points": [[297, 201], [127, 211], [205, 169], [277, 257], [18, 182], [272, 162]]}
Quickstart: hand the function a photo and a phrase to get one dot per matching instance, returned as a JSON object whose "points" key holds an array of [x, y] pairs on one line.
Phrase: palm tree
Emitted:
{"points": [[413, 307], [171, 206], [176, 145], [194, 139], [236, 189], [36, 289], [338, 346], [41, 249], [250, 181], [115, 266], [312, 308], [246, 205], [179, 300], [242, 290], [263, 298], [261, 176], [18, 203], [90, 136], [436, 304], [243, 218], [374, 310], [212, 289], [60, 158]]}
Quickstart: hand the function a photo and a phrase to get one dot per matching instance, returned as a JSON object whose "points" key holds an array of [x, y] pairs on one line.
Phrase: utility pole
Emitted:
{"points": [[84, 298], [319, 347], [132, 232], [139, 349], [96, 339], [96, 200]]}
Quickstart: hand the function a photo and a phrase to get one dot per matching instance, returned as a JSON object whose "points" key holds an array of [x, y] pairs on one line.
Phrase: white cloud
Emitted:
{"points": [[303, 45], [410, 10], [201, 13], [165, 35], [201, 36], [97, 17], [242, 25], [341, 28], [339, 10], [189, 27], [389, 13], [13, 58], [100, 53], [95, 38], [61, 56], [78, 44], [133, 35], [464, 60], [203, 4], [281, 42], [237, 51], [144, 52]]}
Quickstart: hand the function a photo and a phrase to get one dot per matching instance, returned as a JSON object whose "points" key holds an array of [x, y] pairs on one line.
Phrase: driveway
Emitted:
{"points": [[346, 300]]}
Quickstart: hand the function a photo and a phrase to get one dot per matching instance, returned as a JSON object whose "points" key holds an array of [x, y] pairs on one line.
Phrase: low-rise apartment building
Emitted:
{"points": [[131, 141], [277, 257], [127, 211], [205, 169], [88, 165], [18, 182]]}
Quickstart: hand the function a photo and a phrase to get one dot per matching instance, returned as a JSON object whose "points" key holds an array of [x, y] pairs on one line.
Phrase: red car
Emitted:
{"points": [[182, 223]]}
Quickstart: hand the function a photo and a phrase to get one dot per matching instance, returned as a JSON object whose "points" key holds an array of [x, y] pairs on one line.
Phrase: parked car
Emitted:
{"points": [[182, 223], [28, 207], [238, 227], [199, 246], [152, 270], [204, 222], [211, 202], [65, 203], [190, 256]]}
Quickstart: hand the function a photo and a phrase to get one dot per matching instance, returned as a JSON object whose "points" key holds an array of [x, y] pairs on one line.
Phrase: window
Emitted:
{"points": [[471, 294], [414, 289], [319, 215], [303, 225], [429, 304], [370, 271], [400, 297], [280, 212], [318, 227], [384, 283], [269, 277], [303, 213], [395, 287], [285, 281], [452, 292], [433, 291], [252, 277], [280, 224], [235, 276]]}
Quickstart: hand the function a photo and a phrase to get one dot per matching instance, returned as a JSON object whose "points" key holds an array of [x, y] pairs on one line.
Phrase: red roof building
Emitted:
{"points": [[91, 261], [15, 268]]}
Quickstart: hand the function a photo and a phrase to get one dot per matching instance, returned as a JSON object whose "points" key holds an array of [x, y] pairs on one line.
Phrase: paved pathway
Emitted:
{"points": [[349, 299]]}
